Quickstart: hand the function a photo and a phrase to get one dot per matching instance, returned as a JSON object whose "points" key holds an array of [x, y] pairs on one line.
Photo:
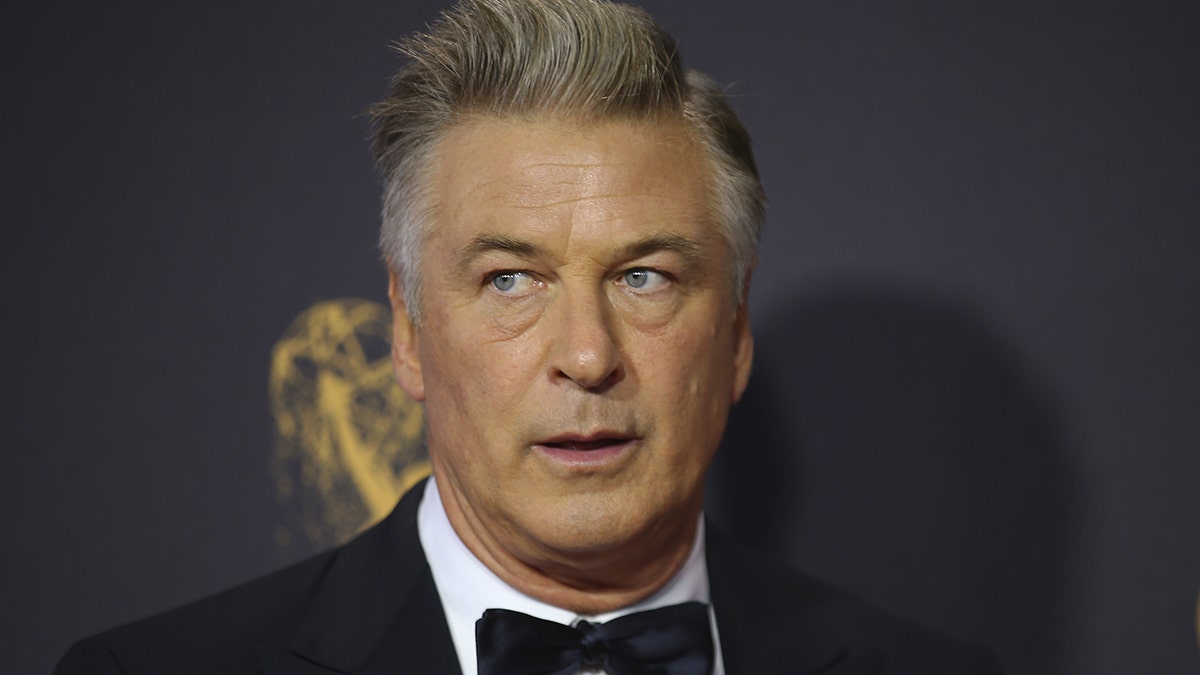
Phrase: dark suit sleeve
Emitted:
{"points": [[89, 656]]}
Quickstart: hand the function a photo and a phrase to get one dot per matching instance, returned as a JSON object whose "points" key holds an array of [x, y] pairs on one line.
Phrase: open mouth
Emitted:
{"points": [[587, 445], [597, 450]]}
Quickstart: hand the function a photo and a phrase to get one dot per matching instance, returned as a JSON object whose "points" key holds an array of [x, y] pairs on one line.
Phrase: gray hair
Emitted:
{"points": [[582, 59]]}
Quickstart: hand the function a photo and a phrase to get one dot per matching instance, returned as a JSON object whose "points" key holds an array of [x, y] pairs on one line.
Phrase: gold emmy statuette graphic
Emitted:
{"points": [[349, 439]]}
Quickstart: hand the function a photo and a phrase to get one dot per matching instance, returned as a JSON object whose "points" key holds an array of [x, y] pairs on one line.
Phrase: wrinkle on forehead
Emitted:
{"points": [[585, 199], [561, 175], [589, 154], [604, 185]]}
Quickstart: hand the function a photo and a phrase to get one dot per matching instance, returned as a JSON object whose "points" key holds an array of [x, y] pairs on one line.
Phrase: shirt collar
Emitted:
{"points": [[467, 587]]}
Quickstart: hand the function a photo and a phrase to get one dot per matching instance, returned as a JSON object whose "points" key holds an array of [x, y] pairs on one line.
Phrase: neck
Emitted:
{"points": [[588, 582]]}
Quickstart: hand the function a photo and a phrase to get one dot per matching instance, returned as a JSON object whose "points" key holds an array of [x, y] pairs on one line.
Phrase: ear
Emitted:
{"points": [[406, 348], [743, 343]]}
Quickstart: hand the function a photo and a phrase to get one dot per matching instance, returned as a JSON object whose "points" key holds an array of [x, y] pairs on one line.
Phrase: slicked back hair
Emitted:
{"points": [[586, 60]]}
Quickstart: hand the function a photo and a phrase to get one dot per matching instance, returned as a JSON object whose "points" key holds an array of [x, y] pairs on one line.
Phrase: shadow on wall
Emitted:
{"points": [[893, 445]]}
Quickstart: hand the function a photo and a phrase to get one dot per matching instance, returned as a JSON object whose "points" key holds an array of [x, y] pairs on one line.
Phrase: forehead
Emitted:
{"points": [[593, 177]]}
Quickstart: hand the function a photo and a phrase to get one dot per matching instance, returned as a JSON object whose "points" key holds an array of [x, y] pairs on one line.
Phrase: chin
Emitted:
{"points": [[594, 524]]}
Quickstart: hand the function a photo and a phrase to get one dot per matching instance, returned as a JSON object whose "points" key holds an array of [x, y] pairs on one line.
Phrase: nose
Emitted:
{"points": [[586, 351]]}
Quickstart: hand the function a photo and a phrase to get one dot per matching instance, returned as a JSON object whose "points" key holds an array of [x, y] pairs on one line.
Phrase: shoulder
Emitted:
{"points": [[792, 611], [332, 606], [220, 633]]}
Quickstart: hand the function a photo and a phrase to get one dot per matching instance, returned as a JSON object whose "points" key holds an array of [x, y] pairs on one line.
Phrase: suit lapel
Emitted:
{"points": [[767, 617], [376, 609]]}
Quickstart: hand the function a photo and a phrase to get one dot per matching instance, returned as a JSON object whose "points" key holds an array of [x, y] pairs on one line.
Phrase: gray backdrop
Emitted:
{"points": [[975, 395]]}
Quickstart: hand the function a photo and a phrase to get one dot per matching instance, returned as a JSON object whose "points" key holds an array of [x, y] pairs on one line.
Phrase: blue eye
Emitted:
{"points": [[504, 281], [512, 282], [643, 279]]}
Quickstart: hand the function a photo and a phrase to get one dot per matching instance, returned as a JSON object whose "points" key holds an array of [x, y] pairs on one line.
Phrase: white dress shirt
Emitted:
{"points": [[467, 587]]}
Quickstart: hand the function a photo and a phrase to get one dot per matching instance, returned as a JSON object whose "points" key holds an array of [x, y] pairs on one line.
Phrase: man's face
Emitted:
{"points": [[579, 347]]}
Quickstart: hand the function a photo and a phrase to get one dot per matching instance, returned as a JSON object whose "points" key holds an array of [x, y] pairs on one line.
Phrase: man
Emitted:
{"points": [[570, 224]]}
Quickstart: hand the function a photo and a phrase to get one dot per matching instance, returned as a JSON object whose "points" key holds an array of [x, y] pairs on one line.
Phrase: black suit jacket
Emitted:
{"points": [[371, 607]]}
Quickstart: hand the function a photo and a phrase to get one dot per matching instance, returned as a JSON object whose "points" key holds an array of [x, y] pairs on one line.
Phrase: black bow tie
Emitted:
{"points": [[673, 640]]}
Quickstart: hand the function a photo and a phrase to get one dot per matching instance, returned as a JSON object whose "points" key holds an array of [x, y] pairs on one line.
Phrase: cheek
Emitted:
{"points": [[692, 370], [477, 378]]}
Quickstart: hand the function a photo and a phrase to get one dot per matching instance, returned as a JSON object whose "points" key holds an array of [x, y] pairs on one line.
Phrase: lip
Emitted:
{"points": [[587, 451]]}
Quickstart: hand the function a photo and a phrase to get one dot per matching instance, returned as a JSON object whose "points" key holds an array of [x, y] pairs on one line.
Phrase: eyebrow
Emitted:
{"points": [[688, 249], [487, 243]]}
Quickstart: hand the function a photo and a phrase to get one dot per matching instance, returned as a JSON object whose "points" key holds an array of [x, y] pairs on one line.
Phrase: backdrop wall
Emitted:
{"points": [[975, 395]]}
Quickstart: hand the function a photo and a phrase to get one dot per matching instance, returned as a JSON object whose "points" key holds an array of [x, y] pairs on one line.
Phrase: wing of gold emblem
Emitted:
{"points": [[349, 439]]}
